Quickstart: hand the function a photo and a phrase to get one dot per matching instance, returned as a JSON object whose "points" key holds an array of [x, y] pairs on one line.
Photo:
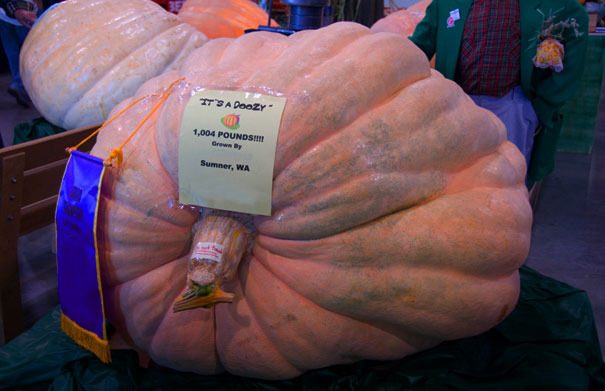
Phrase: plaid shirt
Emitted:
{"points": [[489, 59], [11, 6]]}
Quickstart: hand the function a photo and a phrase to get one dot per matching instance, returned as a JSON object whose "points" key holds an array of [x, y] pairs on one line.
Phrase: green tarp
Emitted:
{"points": [[549, 342], [33, 130]]}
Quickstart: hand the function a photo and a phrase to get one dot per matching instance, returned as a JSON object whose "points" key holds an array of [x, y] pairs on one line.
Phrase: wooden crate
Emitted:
{"points": [[30, 178]]}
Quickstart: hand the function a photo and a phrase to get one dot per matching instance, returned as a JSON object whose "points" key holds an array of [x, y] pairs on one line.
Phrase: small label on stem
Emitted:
{"points": [[208, 250]]}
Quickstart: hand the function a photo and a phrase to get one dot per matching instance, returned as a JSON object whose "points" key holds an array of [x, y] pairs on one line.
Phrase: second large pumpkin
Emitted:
{"points": [[84, 57]]}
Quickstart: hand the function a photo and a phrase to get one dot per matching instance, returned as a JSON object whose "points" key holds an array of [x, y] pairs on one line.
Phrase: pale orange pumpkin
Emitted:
{"points": [[399, 218], [223, 18], [84, 57], [403, 21]]}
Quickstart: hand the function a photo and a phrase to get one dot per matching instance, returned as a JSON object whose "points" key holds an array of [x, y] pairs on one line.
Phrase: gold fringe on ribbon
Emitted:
{"points": [[86, 339]]}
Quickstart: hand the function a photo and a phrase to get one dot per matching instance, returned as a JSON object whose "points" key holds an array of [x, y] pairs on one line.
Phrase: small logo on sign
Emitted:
{"points": [[231, 121], [450, 21]]}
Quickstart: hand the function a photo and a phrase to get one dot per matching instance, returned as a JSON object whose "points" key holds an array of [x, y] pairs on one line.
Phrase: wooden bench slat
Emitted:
{"points": [[52, 148], [42, 182], [38, 215]]}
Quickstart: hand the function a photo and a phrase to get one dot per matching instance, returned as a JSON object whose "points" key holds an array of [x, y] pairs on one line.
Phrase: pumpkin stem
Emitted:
{"points": [[220, 241], [190, 299]]}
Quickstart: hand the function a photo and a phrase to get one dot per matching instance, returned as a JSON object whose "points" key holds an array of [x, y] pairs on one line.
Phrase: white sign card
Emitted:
{"points": [[227, 150]]}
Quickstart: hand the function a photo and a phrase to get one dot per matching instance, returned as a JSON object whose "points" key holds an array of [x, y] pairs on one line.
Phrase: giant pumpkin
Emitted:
{"points": [[399, 213], [84, 57], [223, 18]]}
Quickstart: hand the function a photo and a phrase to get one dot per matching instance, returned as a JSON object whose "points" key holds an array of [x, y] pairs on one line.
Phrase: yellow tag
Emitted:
{"points": [[227, 150]]}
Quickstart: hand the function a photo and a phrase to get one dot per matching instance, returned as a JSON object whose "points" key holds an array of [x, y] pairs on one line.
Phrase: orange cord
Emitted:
{"points": [[108, 122], [116, 153]]}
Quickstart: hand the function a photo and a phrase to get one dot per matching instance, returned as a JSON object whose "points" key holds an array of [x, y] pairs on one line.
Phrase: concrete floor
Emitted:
{"points": [[568, 242]]}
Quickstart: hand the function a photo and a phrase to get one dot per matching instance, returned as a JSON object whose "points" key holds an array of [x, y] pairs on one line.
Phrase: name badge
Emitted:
{"points": [[455, 14]]}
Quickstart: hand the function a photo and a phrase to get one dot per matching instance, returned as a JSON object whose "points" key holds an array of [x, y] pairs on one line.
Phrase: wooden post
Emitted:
{"points": [[11, 189]]}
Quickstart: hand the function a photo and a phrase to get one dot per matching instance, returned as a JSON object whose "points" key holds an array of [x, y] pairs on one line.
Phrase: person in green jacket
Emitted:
{"points": [[489, 48]]}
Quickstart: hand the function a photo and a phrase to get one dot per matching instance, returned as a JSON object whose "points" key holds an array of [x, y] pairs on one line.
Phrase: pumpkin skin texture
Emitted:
{"points": [[84, 57], [399, 218], [403, 21], [223, 18]]}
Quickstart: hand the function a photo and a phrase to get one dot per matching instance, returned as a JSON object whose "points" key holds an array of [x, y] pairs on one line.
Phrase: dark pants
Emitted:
{"points": [[366, 12], [12, 38]]}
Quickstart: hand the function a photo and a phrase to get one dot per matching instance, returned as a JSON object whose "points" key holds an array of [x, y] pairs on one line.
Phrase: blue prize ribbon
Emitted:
{"points": [[79, 282]]}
